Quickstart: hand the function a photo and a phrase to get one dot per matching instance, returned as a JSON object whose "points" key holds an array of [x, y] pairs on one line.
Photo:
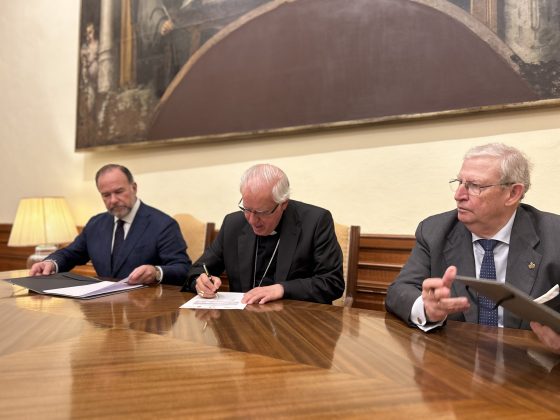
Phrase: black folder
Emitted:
{"points": [[40, 284], [515, 300]]}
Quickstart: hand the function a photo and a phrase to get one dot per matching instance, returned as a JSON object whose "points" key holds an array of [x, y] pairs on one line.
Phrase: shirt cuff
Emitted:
{"points": [[55, 265], [418, 316], [159, 274]]}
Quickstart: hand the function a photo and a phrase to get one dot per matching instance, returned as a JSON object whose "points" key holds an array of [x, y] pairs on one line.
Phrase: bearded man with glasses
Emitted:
{"points": [[489, 224], [274, 248]]}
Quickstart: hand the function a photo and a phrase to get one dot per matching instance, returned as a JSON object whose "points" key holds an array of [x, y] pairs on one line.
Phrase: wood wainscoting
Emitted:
{"points": [[12, 258], [15, 258], [380, 260]]}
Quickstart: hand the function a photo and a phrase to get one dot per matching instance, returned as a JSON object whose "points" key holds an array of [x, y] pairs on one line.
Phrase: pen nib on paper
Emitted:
{"points": [[209, 277]]}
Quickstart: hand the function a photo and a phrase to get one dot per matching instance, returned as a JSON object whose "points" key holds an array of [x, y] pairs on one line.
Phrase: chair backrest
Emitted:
{"points": [[349, 240], [197, 234]]}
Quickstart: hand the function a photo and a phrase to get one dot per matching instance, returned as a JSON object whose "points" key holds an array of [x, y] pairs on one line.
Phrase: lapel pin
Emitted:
{"points": [[531, 265]]}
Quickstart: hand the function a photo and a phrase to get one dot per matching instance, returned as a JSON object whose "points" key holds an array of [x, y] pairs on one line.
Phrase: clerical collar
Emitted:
{"points": [[276, 232]]}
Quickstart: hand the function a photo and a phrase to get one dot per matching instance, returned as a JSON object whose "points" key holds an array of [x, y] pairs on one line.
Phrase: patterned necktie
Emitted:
{"points": [[487, 315], [117, 243]]}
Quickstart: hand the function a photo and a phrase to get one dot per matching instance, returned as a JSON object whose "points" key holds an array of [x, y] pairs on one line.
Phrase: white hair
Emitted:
{"points": [[515, 167], [266, 175]]}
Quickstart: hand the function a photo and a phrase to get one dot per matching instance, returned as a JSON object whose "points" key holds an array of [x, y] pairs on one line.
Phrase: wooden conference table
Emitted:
{"points": [[138, 355]]}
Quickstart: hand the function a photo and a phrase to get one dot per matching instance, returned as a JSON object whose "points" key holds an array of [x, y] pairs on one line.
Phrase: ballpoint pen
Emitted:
{"points": [[209, 276]]}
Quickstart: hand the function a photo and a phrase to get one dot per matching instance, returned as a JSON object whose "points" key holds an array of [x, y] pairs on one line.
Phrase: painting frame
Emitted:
{"points": [[109, 98]]}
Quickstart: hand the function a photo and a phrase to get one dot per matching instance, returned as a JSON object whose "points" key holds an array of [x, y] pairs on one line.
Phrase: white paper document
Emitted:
{"points": [[96, 289], [224, 300]]}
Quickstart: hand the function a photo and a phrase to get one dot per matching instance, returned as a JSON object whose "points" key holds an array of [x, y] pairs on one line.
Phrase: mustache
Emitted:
{"points": [[119, 207]]}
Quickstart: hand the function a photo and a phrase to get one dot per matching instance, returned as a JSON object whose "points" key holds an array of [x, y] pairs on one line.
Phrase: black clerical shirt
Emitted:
{"points": [[264, 267]]}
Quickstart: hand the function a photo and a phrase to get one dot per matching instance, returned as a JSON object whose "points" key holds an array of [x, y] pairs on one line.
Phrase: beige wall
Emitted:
{"points": [[385, 178]]}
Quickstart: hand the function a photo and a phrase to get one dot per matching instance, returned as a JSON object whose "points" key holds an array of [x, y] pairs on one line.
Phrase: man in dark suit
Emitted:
{"points": [[488, 191], [274, 248], [131, 240]]}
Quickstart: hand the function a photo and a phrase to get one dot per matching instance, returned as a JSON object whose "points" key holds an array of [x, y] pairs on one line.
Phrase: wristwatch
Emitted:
{"points": [[159, 274]]}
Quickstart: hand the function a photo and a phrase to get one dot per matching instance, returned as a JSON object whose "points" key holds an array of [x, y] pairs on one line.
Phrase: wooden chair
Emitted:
{"points": [[349, 240], [197, 234]]}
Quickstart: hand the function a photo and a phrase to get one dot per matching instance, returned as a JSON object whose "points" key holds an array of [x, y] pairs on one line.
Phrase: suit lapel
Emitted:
{"points": [[291, 229], [458, 251], [523, 261], [246, 257], [139, 225]]}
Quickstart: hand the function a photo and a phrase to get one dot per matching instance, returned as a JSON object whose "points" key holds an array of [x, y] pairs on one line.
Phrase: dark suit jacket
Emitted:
{"points": [[154, 238], [309, 264], [442, 241]]}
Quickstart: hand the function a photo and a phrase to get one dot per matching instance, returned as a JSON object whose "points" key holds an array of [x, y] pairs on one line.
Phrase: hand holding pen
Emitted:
{"points": [[207, 285]]}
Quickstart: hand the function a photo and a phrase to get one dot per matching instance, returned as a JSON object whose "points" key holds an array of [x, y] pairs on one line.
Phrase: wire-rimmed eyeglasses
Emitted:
{"points": [[258, 213], [473, 188]]}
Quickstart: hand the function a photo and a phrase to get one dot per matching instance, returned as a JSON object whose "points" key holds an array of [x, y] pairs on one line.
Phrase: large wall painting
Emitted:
{"points": [[161, 71]]}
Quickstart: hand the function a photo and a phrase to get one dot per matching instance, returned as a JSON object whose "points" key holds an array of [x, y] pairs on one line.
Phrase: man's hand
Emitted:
{"points": [[43, 268], [207, 287], [436, 296], [549, 338], [145, 274], [263, 294]]}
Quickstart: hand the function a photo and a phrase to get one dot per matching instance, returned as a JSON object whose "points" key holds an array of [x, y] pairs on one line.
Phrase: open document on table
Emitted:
{"points": [[223, 300], [88, 291]]}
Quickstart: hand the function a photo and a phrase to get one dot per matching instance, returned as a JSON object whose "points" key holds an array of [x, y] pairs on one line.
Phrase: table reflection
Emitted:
{"points": [[277, 329], [479, 359]]}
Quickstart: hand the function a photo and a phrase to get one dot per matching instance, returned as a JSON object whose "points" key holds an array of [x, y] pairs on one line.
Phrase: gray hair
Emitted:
{"points": [[266, 175], [515, 167]]}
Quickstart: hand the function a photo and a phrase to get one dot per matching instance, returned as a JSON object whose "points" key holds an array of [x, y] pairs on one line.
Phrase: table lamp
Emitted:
{"points": [[43, 222]]}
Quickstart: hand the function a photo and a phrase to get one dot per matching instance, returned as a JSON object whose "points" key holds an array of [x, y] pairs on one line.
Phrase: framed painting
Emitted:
{"points": [[159, 71]]}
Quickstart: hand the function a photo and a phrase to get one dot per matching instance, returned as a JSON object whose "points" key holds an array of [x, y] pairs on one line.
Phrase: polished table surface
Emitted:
{"points": [[137, 354]]}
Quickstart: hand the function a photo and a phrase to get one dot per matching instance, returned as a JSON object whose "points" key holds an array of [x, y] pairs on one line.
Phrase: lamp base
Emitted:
{"points": [[41, 252]]}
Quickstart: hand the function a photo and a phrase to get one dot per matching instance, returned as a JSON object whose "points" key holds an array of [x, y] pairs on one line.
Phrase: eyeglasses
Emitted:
{"points": [[263, 213], [471, 187]]}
